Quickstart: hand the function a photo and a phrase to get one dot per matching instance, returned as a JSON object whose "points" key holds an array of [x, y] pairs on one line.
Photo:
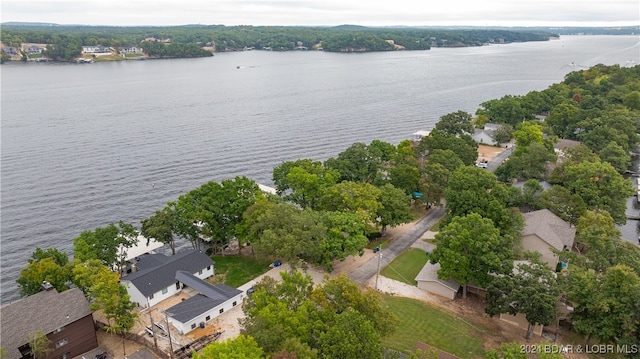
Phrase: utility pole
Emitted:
{"points": [[153, 331], [378, 272], [169, 333]]}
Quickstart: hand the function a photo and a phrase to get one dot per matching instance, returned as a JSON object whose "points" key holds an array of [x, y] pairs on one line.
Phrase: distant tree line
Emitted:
{"points": [[66, 41]]}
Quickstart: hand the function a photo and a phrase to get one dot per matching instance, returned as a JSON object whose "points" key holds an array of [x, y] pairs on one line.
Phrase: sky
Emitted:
{"points": [[326, 12]]}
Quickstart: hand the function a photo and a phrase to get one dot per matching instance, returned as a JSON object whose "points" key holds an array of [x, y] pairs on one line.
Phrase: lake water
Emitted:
{"points": [[87, 145]]}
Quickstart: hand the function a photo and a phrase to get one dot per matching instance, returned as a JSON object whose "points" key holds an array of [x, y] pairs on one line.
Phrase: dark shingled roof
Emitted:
{"points": [[209, 297], [157, 273], [45, 311]]}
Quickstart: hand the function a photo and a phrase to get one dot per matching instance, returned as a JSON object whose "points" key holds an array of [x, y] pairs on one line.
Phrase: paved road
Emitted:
{"points": [[497, 160], [370, 268]]}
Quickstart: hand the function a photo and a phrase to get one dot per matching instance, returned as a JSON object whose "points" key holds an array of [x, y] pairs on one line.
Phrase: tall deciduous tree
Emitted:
{"points": [[286, 232], [104, 243], [240, 347], [48, 265], [606, 305], [303, 181], [531, 290], [356, 197], [564, 204], [46, 269], [600, 186], [470, 249], [395, 207], [456, 123], [160, 227]]}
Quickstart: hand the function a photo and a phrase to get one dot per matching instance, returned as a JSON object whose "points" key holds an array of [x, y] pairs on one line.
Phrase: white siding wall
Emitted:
{"points": [[159, 297], [214, 313], [437, 288], [135, 294]]}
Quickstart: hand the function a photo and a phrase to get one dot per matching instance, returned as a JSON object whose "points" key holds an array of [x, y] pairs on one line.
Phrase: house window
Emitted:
{"points": [[165, 290], [234, 303], [177, 285], [61, 343], [151, 296], [193, 326], [208, 268], [221, 310], [66, 355], [58, 330], [200, 271], [208, 318]]}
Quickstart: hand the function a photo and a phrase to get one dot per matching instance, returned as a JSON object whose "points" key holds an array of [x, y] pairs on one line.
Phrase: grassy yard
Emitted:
{"points": [[406, 266], [420, 321], [235, 271]]}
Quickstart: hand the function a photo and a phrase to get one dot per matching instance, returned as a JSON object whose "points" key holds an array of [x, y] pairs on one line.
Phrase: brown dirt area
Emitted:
{"points": [[487, 153]]}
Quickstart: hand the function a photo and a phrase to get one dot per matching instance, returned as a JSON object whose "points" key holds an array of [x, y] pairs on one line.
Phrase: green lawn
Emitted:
{"points": [[406, 266], [420, 321], [235, 271]]}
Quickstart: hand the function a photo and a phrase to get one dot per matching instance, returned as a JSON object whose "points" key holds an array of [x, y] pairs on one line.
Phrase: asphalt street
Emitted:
{"points": [[370, 268]]}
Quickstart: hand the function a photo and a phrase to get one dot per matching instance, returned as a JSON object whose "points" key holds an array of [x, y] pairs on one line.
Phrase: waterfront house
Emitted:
{"points": [[155, 275], [65, 318], [209, 302]]}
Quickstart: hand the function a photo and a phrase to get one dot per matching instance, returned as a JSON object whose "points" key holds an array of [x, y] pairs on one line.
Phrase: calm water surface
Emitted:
{"points": [[87, 145]]}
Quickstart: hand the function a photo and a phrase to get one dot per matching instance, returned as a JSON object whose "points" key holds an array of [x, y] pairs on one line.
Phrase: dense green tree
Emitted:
{"points": [[405, 177], [394, 207], [531, 192], [632, 100], [105, 293], [46, 269], [283, 231], [356, 197], [438, 169], [616, 156], [351, 336], [335, 318], [104, 243], [508, 109], [293, 348], [562, 121], [356, 163], [606, 305], [306, 180], [564, 204], [240, 347], [60, 258], [596, 238], [345, 236], [527, 133], [339, 294], [215, 209], [456, 123], [600, 186], [531, 289], [463, 146], [470, 249], [529, 162], [160, 227]]}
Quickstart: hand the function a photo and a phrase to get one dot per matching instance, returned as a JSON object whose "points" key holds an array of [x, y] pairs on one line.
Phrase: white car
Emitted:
{"points": [[481, 164]]}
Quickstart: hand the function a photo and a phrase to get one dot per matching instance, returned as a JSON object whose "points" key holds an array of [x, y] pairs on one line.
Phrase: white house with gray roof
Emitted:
{"points": [[543, 231], [155, 278], [210, 302]]}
